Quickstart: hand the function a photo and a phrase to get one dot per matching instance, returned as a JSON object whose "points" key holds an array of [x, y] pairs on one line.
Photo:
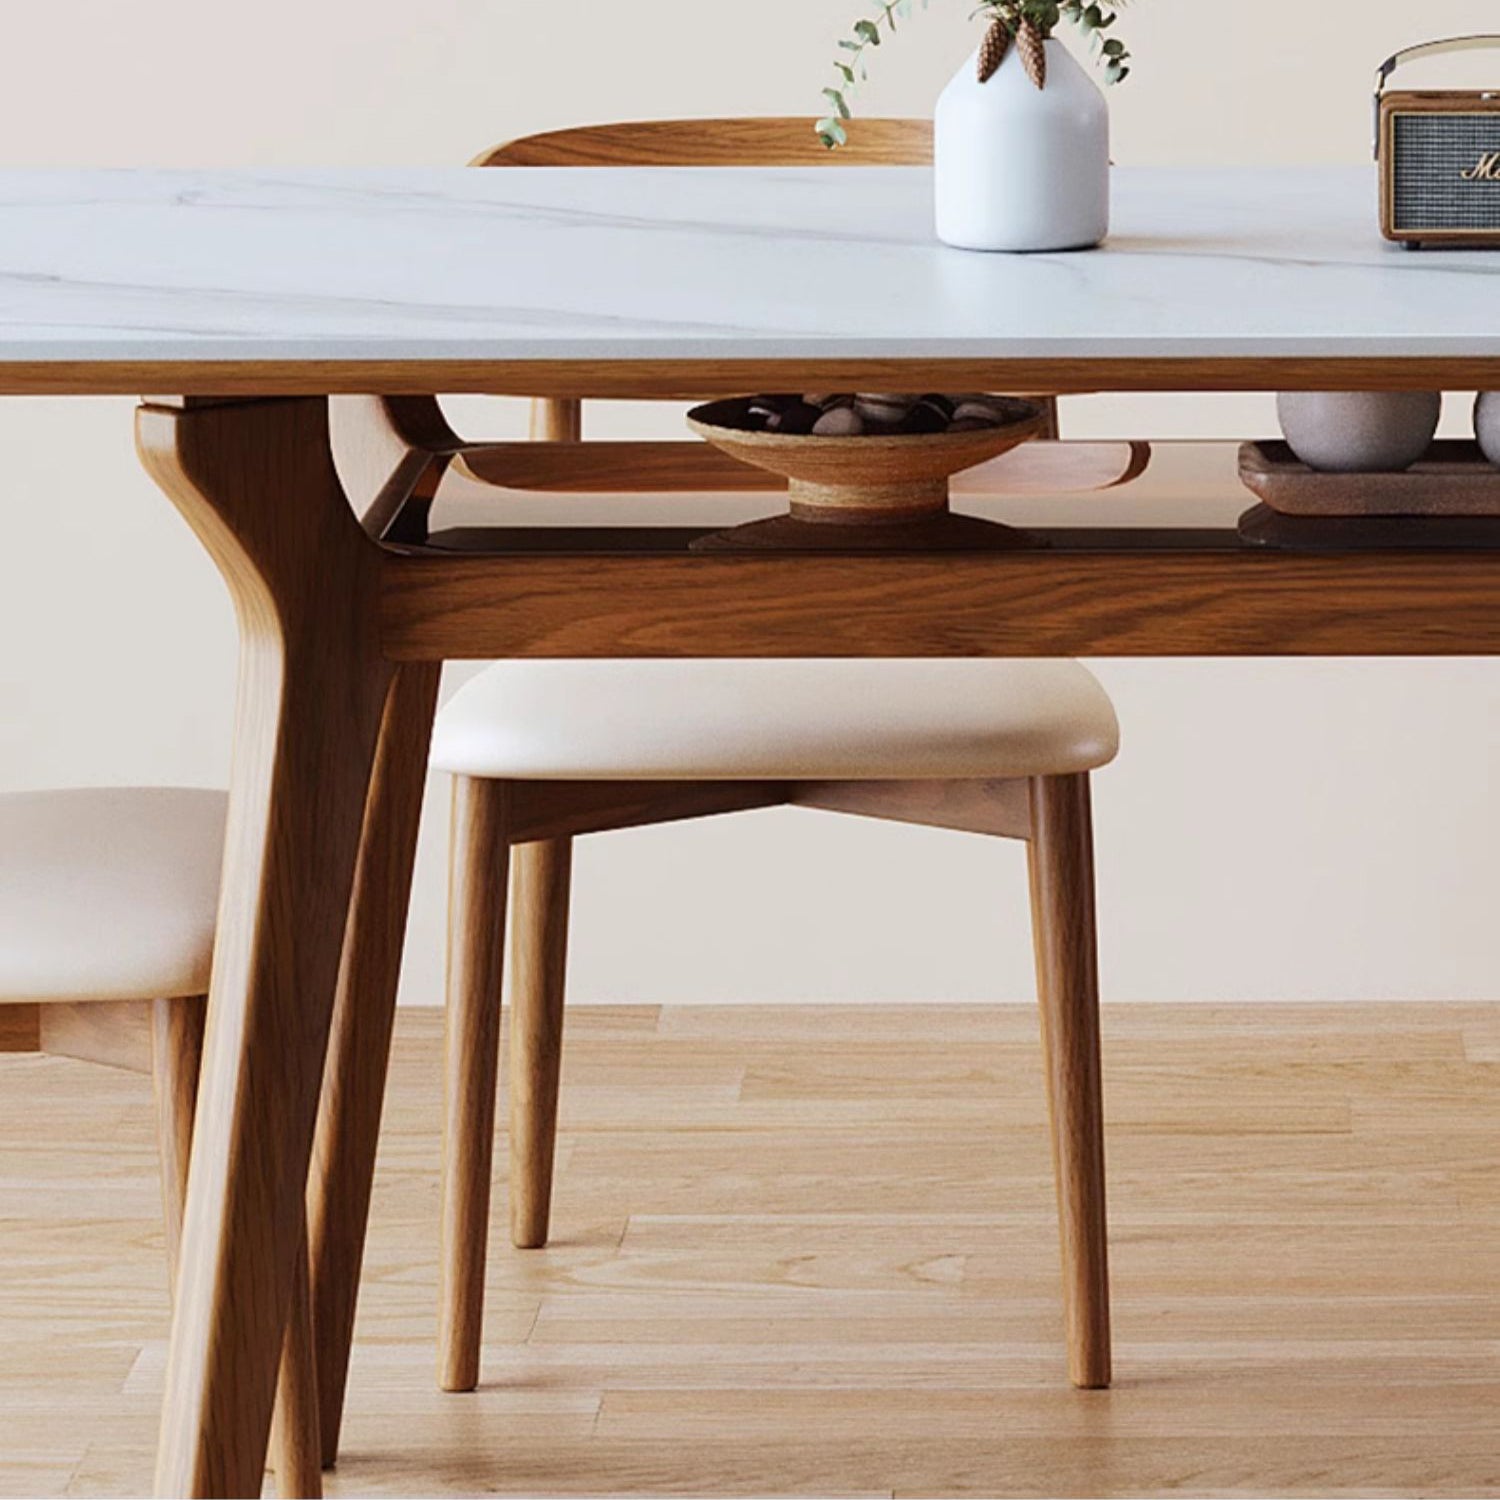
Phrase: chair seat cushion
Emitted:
{"points": [[855, 720], [108, 894]]}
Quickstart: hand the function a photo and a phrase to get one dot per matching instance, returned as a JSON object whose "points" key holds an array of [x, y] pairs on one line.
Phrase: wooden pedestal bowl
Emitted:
{"points": [[876, 492]]}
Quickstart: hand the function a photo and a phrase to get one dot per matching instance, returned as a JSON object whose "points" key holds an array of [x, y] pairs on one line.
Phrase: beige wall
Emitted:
{"points": [[1273, 830]]}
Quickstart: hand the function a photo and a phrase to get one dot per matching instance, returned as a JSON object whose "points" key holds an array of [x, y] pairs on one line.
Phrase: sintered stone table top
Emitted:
{"points": [[188, 276]]}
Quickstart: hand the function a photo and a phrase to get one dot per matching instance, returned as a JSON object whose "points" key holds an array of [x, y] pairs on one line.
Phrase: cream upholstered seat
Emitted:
{"points": [[111, 894], [543, 751], [823, 720], [108, 894]]}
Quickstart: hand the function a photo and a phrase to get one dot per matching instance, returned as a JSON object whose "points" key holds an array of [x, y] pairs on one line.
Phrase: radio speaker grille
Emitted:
{"points": [[1432, 152]]}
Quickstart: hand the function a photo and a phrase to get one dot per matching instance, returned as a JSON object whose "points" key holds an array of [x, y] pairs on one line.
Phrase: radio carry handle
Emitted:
{"points": [[1443, 48]]}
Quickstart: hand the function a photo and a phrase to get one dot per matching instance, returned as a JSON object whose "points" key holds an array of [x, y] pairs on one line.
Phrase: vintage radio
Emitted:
{"points": [[1439, 154]]}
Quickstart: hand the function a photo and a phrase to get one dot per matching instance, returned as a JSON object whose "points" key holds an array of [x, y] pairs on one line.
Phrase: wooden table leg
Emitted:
{"points": [[296, 1451], [359, 1049], [256, 483]]}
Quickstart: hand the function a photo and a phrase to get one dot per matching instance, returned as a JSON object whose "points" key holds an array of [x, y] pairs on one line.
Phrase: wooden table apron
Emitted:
{"points": [[342, 638]]}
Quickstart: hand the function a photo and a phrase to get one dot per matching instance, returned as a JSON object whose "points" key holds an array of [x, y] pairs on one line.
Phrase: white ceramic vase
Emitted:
{"points": [[1018, 167]]}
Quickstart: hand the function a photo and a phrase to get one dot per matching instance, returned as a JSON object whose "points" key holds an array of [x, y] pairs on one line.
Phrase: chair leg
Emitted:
{"points": [[177, 1028], [176, 1056], [476, 944], [539, 958], [556, 419], [1062, 897]]}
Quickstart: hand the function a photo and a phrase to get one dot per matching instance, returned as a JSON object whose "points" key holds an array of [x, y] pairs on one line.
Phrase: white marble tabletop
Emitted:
{"points": [[721, 265]]}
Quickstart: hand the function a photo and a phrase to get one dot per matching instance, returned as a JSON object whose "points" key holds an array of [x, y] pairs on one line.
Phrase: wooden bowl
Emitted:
{"points": [[874, 479]]}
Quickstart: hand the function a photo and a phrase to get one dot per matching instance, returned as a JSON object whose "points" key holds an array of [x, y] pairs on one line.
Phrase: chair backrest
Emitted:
{"points": [[717, 143]]}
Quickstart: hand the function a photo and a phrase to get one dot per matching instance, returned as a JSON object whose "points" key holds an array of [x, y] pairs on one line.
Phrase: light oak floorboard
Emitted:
{"points": [[811, 1250]]}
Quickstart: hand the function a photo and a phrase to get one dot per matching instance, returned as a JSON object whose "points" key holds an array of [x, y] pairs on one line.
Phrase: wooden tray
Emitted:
{"points": [[1455, 479]]}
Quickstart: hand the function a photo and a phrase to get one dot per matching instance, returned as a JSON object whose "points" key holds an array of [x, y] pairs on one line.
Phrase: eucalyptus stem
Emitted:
{"points": [[1093, 18]]}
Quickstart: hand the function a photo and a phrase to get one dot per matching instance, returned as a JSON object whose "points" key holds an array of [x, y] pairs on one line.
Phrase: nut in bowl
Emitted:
{"points": [[867, 471]]}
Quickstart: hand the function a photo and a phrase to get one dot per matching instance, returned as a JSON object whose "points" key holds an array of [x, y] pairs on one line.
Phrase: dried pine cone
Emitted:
{"points": [[993, 49], [1033, 52]]}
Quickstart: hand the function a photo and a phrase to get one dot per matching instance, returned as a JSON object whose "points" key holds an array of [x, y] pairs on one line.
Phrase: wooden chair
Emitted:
{"points": [[107, 908], [994, 747], [544, 751]]}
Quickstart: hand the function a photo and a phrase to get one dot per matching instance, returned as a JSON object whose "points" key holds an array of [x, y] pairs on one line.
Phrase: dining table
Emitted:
{"points": [[255, 313]]}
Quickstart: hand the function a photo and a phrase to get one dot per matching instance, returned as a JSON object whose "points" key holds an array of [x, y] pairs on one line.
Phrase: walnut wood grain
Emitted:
{"points": [[560, 809], [747, 142], [1001, 808], [296, 1449], [478, 864], [176, 1031], [1062, 900], [20, 1028], [669, 379], [556, 420], [112, 1033], [256, 483], [1129, 601], [542, 881], [359, 1045]]}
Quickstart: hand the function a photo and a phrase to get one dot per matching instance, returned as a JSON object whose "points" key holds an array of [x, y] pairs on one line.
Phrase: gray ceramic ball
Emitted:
{"points": [[1487, 425], [1359, 432]]}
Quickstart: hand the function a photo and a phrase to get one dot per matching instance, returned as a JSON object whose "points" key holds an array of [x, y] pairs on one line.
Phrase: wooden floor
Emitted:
{"points": [[812, 1251]]}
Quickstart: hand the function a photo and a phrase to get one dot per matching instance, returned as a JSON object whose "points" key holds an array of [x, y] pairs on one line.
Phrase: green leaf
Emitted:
{"points": [[832, 133], [869, 31], [840, 104]]}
